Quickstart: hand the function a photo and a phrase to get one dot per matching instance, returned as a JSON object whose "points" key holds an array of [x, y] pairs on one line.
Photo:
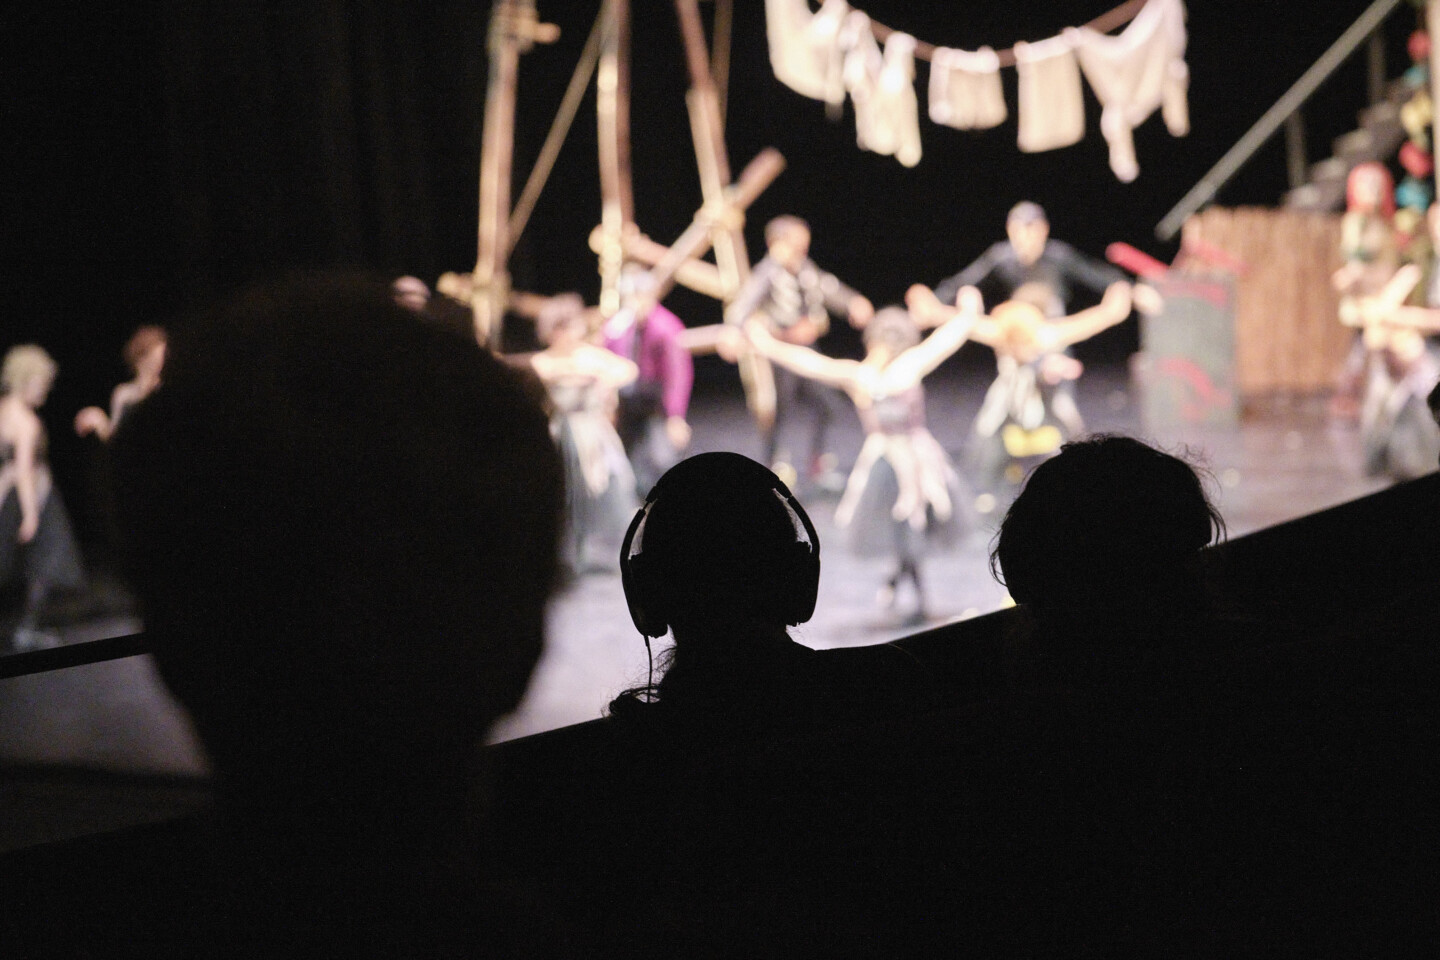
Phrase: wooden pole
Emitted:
{"points": [[513, 29], [726, 231], [720, 53], [559, 128], [710, 155], [612, 106], [1297, 165], [1432, 27], [719, 220]]}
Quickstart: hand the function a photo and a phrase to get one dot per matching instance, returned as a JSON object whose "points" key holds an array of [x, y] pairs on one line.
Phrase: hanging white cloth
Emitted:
{"points": [[896, 106], [1052, 110], [1134, 73], [965, 89], [823, 37], [804, 47], [882, 89]]}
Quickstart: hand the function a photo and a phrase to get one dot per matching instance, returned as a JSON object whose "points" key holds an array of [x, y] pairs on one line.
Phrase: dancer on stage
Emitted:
{"points": [[794, 298], [35, 535], [583, 381], [144, 354], [1031, 268], [651, 420], [1370, 259], [1399, 370], [1016, 420], [1029, 256], [903, 494]]}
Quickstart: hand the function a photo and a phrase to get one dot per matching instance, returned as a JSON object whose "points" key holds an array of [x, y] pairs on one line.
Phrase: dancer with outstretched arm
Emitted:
{"points": [[903, 494]]}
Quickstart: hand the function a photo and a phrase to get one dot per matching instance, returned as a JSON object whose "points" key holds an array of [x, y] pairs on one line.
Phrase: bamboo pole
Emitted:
{"points": [[726, 234], [513, 30], [1432, 27], [710, 155], [612, 105], [559, 128]]}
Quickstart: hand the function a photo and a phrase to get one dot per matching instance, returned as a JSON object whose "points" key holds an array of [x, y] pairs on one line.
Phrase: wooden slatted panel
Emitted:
{"points": [[1287, 337]]}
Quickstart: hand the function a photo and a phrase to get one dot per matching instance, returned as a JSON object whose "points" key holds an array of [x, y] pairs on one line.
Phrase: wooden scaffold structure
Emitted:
{"points": [[718, 225]]}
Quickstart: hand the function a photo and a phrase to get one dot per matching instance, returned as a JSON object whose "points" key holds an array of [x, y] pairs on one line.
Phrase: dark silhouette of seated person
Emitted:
{"points": [[699, 807], [1225, 769], [1103, 549], [340, 523], [723, 558]]}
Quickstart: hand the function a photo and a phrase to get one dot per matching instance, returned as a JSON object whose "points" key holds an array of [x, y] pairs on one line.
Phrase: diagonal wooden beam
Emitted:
{"points": [[710, 156], [697, 275], [721, 219]]}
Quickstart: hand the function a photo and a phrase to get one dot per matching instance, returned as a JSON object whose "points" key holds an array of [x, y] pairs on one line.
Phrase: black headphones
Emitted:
{"points": [[795, 569]]}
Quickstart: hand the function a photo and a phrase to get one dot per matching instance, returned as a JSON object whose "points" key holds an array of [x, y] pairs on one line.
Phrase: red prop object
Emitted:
{"points": [[1419, 46], [1416, 161]]}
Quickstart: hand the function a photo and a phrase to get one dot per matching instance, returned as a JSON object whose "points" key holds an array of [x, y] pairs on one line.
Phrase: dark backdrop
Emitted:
{"points": [[163, 151]]}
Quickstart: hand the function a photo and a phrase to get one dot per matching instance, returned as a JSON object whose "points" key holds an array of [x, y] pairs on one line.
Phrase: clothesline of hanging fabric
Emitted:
{"points": [[835, 53], [1104, 23]]}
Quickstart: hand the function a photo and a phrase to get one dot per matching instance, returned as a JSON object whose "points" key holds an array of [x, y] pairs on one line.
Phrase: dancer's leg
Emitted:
{"points": [[828, 403], [787, 384]]}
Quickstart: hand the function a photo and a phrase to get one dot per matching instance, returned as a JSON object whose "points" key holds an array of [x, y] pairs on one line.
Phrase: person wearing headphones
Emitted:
{"points": [[724, 559]]}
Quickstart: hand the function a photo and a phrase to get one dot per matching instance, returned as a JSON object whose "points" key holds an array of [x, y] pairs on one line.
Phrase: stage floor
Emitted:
{"points": [[1282, 462]]}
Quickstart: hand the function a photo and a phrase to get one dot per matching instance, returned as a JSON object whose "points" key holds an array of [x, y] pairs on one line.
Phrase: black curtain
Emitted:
{"points": [[321, 133]]}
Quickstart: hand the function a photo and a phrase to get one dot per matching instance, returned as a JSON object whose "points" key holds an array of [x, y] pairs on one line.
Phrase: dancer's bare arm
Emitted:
{"points": [[803, 360], [911, 366], [1113, 308]]}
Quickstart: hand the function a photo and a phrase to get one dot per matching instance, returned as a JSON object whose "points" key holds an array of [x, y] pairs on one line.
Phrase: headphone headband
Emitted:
{"points": [[797, 571]]}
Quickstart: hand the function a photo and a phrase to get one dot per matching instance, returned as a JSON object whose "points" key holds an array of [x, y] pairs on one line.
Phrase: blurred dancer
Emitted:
{"points": [[35, 535], [651, 419], [583, 381], [794, 298], [1017, 420], [903, 494], [1029, 266], [144, 354]]}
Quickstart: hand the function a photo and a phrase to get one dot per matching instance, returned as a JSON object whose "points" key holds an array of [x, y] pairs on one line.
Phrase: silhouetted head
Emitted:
{"points": [[1107, 524], [893, 330], [341, 526], [1028, 229], [722, 556], [720, 541]]}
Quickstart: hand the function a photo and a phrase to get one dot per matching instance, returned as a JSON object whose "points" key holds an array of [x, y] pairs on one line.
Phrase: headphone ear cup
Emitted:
{"points": [[645, 596], [803, 575], [639, 583]]}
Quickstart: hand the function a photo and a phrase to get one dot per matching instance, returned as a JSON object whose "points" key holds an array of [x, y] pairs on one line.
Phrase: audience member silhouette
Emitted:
{"points": [[1199, 754], [724, 558], [341, 525], [1108, 526]]}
